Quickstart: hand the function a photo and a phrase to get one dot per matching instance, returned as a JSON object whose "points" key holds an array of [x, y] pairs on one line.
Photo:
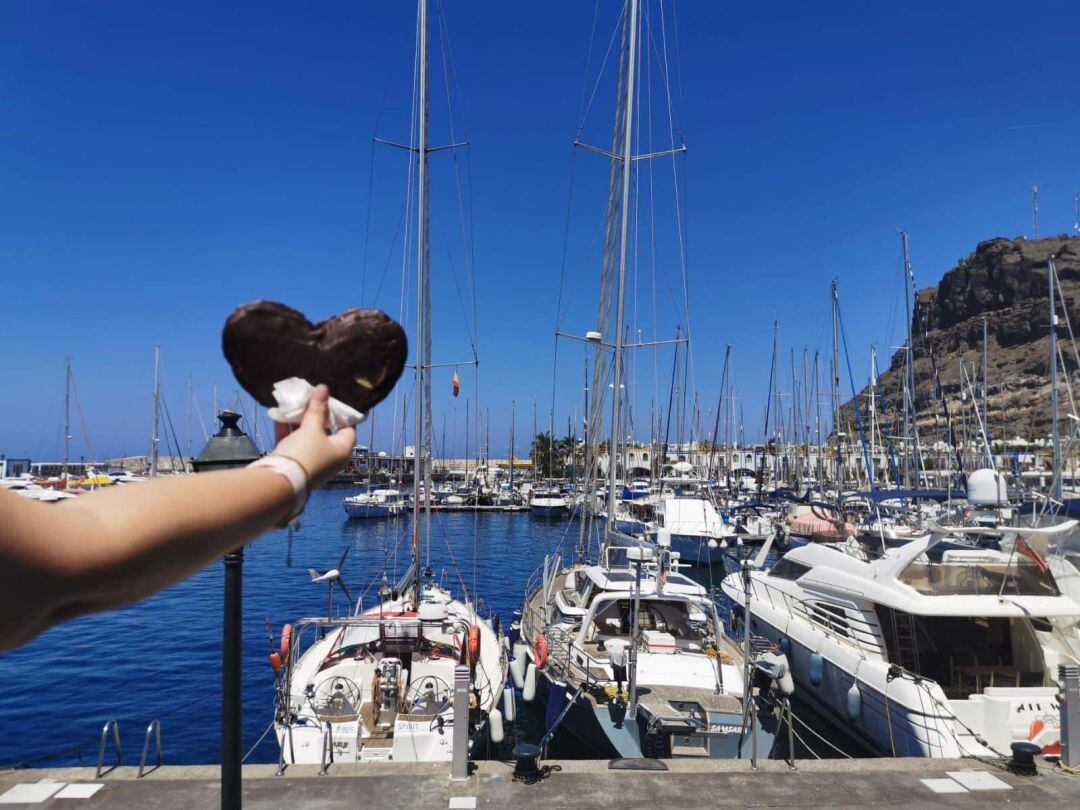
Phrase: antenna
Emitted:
{"points": [[1076, 227], [1035, 212]]}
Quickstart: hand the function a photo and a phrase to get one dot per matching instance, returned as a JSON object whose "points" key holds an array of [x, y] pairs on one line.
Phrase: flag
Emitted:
{"points": [[1023, 547], [456, 383]]}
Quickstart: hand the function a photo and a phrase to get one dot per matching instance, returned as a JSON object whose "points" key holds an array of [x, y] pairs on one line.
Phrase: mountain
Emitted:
{"points": [[1004, 282]]}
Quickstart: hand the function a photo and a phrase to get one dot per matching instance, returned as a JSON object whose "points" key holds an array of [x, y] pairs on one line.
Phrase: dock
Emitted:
{"points": [[575, 784]]}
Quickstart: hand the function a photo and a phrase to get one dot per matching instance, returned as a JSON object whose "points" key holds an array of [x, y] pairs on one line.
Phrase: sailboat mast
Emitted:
{"points": [[67, 417], [157, 404], [909, 282], [627, 169], [836, 391], [1055, 489], [513, 418], [422, 289]]}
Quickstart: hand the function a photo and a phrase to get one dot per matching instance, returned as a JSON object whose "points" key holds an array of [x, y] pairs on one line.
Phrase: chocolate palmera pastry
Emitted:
{"points": [[359, 355]]}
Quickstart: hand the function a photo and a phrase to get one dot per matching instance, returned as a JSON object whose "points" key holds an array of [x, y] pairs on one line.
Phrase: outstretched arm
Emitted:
{"points": [[115, 546]]}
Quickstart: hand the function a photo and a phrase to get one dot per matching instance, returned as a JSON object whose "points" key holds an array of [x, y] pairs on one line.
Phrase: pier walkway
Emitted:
{"points": [[574, 784]]}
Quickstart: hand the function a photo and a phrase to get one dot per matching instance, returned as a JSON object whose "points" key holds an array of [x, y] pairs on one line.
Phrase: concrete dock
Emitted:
{"points": [[572, 784]]}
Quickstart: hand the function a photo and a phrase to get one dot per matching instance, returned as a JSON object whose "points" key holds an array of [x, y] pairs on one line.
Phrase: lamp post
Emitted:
{"points": [[229, 448]]}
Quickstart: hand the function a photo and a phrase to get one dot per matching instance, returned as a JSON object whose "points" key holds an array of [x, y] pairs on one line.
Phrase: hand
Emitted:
{"points": [[322, 454]]}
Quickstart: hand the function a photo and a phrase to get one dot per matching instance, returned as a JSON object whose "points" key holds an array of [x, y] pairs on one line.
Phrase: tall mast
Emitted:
{"points": [[986, 387], [915, 461], [873, 405], [836, 391], [1055, 489], [422, 292], [157, 404], [67, 417], [627, 168], [513, 416]]}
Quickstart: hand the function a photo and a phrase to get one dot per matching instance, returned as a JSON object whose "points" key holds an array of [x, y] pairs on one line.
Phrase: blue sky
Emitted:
{"points": [[163, 163]]}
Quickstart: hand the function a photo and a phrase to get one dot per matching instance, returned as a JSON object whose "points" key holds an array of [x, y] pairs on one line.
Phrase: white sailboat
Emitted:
{"points": [[630, 654], [376, 685]]}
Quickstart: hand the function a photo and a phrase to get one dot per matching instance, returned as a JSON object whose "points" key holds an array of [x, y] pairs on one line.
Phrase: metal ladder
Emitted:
{"points": [[907, 646]]}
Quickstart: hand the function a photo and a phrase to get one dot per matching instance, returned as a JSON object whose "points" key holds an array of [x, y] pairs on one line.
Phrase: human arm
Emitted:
{"points": [[118, 545]]}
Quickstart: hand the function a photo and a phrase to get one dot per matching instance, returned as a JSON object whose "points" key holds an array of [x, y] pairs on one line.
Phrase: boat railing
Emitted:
{"points": [[115, 727], [576, 662], [152, 730], [846, 629]]}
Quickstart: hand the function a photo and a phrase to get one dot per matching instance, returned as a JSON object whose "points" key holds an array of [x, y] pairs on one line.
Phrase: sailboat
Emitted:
{"points": [[629, 654], [377, 684]]}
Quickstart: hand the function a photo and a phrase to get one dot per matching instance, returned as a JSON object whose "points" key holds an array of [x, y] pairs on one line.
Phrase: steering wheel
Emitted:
{"points": [[336, 697], [428, 694]]}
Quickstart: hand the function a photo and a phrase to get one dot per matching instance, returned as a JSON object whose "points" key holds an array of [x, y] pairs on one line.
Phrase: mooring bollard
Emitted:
{"points": [[460, 766], [1069, 675]]}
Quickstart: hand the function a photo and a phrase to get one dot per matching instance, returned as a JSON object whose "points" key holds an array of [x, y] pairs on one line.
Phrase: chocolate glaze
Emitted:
{"points": [[358, 354]]}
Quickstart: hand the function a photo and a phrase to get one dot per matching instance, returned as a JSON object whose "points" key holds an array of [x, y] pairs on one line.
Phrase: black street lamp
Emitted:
{"points": [[229, 448]]}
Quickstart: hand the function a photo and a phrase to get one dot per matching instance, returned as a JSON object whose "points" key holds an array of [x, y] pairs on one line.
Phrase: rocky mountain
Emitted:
{"points": [[1004, 282]]}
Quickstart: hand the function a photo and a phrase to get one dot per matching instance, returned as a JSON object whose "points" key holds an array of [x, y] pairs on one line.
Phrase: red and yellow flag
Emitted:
{"points": [[456, 384]]}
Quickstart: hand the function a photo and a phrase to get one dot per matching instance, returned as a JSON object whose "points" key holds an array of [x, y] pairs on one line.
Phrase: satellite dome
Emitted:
{"points": [[987, 488]]}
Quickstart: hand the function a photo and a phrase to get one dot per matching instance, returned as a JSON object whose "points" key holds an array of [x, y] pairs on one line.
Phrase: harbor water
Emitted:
{"points": [[161, 658]]}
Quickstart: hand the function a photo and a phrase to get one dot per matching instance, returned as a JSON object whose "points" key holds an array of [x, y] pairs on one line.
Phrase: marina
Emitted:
{"points": [[745, 555]]}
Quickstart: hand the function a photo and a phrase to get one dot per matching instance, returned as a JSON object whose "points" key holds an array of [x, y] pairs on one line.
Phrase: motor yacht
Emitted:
{"points": [[947, 657]]}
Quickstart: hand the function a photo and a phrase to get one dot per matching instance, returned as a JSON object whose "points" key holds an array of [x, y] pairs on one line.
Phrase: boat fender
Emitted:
{"points": [[286, 642], [723, 544], [474, 643], [854, 702], [712, 543], [275, 663], [785, 682], [509, 709], [540, 651], [785, 645], [817, 668], [517, 669], [528, 691], [495, 723]]}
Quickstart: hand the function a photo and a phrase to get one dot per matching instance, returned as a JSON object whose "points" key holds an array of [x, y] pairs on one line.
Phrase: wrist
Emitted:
{"points": [[297, 477]]}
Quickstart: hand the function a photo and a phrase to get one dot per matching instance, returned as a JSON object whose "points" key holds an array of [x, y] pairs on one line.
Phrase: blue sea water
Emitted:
{"points": [[161, 658]]}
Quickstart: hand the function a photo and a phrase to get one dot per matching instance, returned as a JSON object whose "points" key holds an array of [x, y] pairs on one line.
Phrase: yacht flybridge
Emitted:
{"points": [[919, 655], [637, 658]]}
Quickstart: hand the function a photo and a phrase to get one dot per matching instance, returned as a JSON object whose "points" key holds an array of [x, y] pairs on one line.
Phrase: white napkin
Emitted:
{"points": [[292, 397]]}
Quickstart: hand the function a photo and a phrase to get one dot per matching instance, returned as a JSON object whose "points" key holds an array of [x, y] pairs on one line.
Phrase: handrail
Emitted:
{"points": [[101, 747], [858, 628], [155, 726], [327, 745]]}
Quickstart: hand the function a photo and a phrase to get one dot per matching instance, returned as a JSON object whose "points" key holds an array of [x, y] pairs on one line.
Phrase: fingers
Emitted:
{"points": [[315, 415], [343, 441]]}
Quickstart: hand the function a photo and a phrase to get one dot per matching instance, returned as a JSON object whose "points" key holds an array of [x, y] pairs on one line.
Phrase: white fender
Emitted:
{"points": [[517, 670], [496, 725], [509, 709], [528, 691]]}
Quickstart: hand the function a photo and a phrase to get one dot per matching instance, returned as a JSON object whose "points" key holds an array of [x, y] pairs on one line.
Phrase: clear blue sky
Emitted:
{"points": [[162, 163]]}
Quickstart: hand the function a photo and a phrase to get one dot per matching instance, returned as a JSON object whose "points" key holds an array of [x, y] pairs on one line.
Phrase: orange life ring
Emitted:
{"points": [[474, 643], [286, 642], [540, 651], [275, 663]]}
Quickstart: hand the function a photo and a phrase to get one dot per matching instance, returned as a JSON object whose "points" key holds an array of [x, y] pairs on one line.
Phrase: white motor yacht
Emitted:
{"points": [[919, 656]]}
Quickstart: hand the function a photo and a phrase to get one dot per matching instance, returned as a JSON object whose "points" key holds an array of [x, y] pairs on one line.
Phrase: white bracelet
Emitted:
{"points": [[293, 472]]}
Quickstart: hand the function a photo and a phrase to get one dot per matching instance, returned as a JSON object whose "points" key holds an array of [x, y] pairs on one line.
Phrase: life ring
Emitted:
{"points": [[275, 663], [286, 642], [474, 643], [540, 650]]}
